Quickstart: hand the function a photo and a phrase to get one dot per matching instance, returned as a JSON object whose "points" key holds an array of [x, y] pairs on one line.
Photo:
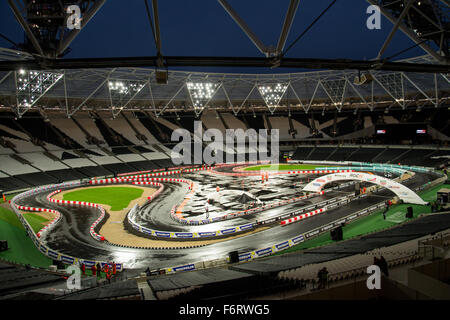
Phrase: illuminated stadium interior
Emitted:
{"points": [[233, 176]]}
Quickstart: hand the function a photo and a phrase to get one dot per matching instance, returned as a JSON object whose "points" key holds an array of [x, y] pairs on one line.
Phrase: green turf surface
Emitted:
{"points": [[21, 249], [278, 167], [373, 222], [9, 217], [36, 222], [117, 197]]}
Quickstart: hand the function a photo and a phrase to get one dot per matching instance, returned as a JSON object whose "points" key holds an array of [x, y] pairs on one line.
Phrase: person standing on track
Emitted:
{"points": [[108, 277], [207, 210], [94, 270]]}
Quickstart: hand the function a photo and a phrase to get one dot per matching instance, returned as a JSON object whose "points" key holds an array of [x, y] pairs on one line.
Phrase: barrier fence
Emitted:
{"points": [[242, 257], [53, 254], [247, 256]]}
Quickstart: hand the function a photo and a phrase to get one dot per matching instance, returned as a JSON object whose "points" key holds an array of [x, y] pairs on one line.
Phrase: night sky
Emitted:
{"points": [[203, 28]]}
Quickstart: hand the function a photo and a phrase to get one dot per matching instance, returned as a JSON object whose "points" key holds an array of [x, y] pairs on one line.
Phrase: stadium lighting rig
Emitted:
{"points": [[122, 92], [122, 88], [272, 94], [201, 93], [31, 86]]}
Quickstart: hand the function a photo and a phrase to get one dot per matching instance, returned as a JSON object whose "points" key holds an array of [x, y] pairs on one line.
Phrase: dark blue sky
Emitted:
{"points": [[203, 28]]}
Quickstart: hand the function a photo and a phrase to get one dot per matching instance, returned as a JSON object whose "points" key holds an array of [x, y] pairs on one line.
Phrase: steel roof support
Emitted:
{"points": [[90, 95], [296, 95], [356, 90], [394, 29], [171, 99], [5, 77], [313, 96], [151, 97], [65, 95], [408, 32], [25, 27], [293, 6], [399, 100], [419, 89], [84, 21], [246, 98], [241, 23], [337, 93], [229, 101], [157, 30]]}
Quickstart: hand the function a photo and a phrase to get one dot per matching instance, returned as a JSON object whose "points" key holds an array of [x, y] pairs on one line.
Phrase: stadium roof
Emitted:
{"points": [[77, 89], [39, 78]]}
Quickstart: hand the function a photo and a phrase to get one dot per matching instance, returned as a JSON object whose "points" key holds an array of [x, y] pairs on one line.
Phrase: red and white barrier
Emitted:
{"points": [[47, 226], [302, 216], [94, 234]]}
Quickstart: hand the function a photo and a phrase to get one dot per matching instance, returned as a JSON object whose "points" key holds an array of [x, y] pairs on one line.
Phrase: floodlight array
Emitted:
{"points": [[272, 94], [124, 88], [31, 85], [201, 92]]}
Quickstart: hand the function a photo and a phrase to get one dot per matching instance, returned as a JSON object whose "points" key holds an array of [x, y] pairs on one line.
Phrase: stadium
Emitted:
{"points": [[224, 177]]}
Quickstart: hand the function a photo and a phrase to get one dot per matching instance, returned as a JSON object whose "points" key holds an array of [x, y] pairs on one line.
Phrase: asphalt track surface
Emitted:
{"points": [[71, 235]]}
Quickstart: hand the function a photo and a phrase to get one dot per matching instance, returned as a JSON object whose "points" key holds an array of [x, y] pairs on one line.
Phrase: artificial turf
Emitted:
{"points": [[21, 248], [116, 197], [279, 167], [373, 222]]}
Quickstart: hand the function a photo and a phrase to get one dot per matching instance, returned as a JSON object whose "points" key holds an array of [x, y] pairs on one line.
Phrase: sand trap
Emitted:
{"points": [[114, 231]]}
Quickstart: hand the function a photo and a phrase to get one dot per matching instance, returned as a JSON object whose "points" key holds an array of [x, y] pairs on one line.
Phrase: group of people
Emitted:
{"points": [[110, 269]]}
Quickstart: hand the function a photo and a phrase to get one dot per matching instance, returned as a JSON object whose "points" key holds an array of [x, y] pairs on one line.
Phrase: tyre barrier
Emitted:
{"points": [[262, 252], [47, 251], [241, 213], [303, 216], [155, 248], [94, 234], [147, 174], [177, 216], [48, 226], [241, 169], [188, 235], [332, 203]]}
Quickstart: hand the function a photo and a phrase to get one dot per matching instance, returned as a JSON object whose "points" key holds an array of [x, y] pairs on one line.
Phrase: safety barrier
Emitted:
{"points": [[53, 254], [241, 213], [94, 234], [179, 218], [185, 235], [48, 226], [303, 216]]}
